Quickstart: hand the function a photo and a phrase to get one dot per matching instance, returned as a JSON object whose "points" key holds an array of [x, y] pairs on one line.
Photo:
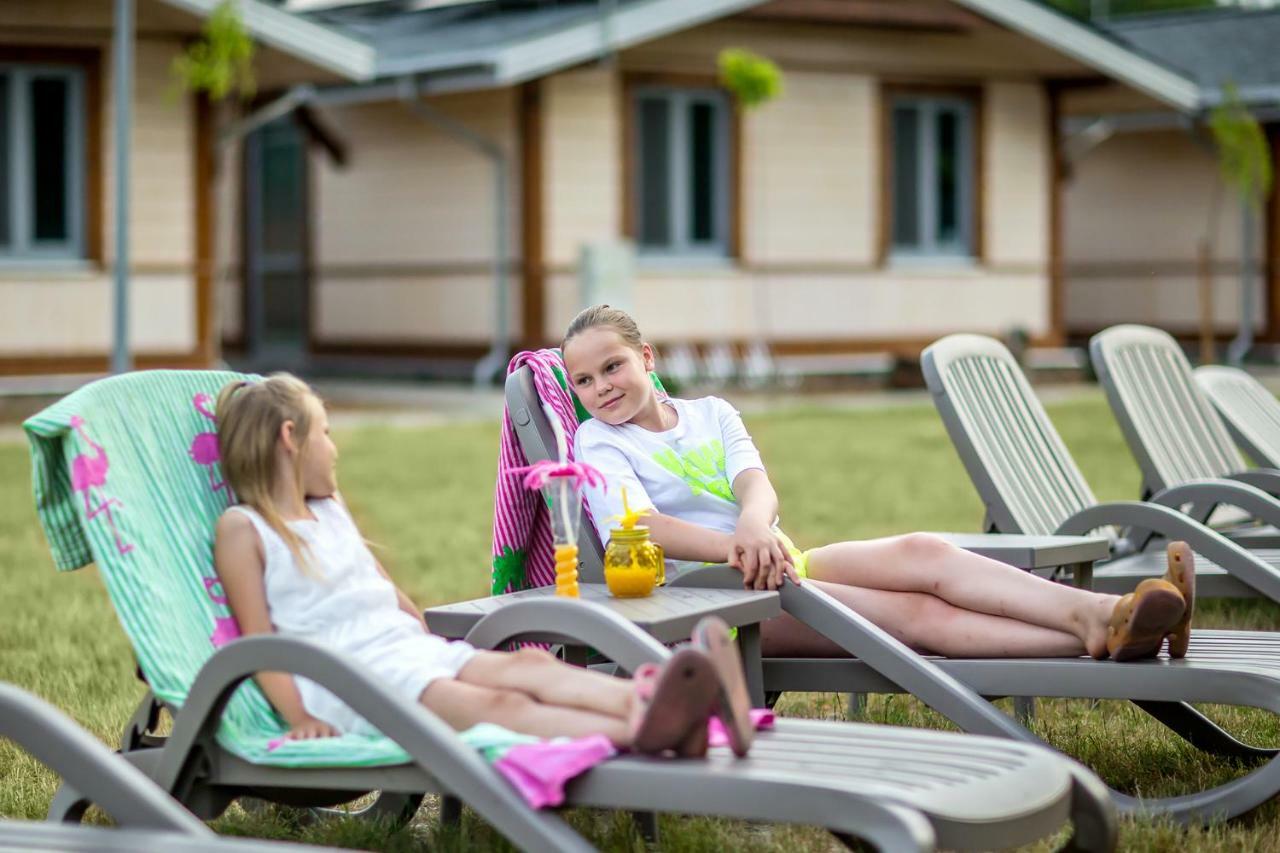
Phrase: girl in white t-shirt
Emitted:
{"points": [[694, 464], [292, 561]]}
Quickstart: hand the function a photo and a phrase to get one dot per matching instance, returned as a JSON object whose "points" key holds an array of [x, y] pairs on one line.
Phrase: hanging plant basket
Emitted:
{"points": [[221, 60], [751, 78]]}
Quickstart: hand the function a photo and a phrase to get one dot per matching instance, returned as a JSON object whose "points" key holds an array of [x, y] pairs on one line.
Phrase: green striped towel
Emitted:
{"points": [[125, 476]]}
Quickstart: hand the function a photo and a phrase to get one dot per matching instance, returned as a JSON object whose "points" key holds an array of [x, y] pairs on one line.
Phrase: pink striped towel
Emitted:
{"points": [[522, 548]]}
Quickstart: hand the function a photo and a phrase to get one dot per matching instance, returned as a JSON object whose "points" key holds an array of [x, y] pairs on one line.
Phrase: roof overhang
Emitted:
{"points": [[315, 44], [587, 39], [1093, 49]]}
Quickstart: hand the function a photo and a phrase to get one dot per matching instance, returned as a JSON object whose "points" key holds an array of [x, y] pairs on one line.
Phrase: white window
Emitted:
{"points": [[680, 189], [41, 162], [932, 198]]}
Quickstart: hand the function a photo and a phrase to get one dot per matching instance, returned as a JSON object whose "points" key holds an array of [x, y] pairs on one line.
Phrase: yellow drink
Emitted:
{"points": [[567, 571]]}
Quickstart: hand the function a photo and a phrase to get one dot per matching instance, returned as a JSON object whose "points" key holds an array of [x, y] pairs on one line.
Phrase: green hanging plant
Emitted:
{"points": [[222, 59], [1244, 158], [751, 78]]}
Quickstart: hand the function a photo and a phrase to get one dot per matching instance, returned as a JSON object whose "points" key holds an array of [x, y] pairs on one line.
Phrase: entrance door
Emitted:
{"points": [[277, 287]]}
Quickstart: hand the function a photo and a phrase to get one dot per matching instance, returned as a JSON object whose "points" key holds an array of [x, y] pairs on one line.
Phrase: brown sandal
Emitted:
{"points": [[1182, 574], [1142, 618], [679, 705]]}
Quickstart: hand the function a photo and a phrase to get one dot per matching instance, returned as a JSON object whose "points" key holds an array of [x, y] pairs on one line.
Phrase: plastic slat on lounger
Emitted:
{"points": [[1251, 412]]}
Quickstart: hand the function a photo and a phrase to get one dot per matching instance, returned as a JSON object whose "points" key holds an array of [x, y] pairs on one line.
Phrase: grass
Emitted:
{"points": [[425, 496]]}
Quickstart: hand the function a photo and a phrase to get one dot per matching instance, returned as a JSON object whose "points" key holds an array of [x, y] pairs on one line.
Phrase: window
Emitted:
{"points": [[932, 184], [41, 162], [681, 179]]}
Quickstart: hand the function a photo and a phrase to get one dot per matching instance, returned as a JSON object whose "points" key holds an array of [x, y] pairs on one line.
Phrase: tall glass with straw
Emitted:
{"points": [[560, 482]]}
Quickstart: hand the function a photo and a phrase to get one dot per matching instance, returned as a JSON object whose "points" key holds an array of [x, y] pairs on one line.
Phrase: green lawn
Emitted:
{"points": [[424, 496]]}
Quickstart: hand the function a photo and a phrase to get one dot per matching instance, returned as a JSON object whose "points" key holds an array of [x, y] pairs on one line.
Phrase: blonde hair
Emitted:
{"points": [[249, 417], [603, 315]]}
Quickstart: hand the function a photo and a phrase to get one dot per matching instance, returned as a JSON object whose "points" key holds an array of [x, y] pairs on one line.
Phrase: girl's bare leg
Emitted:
{"points": [[925, 623], [921, 563], [552, 681], [462, 705]]}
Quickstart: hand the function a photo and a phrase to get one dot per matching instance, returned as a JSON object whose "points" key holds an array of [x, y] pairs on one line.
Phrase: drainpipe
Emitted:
{"points": [[1243, 341], [123, 108], [499, 350]]}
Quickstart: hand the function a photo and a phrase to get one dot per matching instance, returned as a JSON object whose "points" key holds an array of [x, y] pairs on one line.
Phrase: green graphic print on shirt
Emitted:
{"points": [[702, 468]]}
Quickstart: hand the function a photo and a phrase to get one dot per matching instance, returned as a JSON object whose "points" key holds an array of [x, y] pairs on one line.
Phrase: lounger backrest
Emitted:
{"points": [[1024, 473], [538, 442], [1171, 428], [126, 476], [1250, 411]]}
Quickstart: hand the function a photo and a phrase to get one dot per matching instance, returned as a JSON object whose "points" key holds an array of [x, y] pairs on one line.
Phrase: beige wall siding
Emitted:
{"points": [[811, 161], [70, 314], [1016, 198], [1136, 207], [403, 234], [582, 162]]}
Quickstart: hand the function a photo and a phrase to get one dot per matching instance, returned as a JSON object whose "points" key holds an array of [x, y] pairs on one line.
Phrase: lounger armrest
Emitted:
{"points": [[1172, 524], [719, 576], [1207, 494], [581, 621], [98, 774], [431, 743], [1266, 479]]}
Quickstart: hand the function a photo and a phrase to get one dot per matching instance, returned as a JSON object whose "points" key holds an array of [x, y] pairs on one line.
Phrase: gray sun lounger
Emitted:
{"points": [[1251, 412], [146, 817], [897, 789], [1233, 667], [1181, 445], [1029, 484]]}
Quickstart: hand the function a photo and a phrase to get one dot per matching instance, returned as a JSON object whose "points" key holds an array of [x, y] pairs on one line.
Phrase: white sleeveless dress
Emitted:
{"points": [[346, 605]]}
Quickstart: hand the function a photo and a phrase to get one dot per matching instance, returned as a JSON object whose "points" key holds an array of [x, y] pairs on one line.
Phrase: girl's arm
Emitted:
{"points": [[756, 551], [237, 557], [684, 540]]}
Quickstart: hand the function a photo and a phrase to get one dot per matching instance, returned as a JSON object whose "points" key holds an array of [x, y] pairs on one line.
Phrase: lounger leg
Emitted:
{"points": [[1024, 709], [1201, 732], [856, 707], [1093, 816], [145, 720], [749, 647], [450, 810], [68, 805], [647, 823]]}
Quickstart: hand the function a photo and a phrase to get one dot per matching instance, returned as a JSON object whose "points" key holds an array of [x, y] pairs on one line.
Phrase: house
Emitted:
{"points": [[1134, 160], [56, 181], [909, 183]]}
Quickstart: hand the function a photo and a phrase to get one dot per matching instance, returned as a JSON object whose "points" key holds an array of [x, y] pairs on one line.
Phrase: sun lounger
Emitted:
{"points": [[117, 483], [1182, 447], [146, 817]]}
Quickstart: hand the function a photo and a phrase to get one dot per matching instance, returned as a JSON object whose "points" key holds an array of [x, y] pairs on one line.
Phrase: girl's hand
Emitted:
{"points": [[310, 728], [756, 552]]}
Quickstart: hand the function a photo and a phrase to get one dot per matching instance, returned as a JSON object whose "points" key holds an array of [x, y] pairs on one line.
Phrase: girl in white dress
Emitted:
{"points": [[695, 465], [291, 560]]}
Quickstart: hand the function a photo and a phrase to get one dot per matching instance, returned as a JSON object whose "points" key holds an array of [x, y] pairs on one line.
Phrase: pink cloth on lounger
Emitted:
{"points": [[761, 718]]}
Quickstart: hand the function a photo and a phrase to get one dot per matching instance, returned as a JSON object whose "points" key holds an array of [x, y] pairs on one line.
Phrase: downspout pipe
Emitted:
{"points": [[495, 360]]}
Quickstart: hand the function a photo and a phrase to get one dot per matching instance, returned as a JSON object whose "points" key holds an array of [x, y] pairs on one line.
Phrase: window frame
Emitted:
{"points": [[928, 100], [680, 93], [23, 246]]}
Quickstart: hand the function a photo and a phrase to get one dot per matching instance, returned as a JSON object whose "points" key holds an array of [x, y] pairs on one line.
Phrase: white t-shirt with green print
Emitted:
{"points": [[686, 472]]}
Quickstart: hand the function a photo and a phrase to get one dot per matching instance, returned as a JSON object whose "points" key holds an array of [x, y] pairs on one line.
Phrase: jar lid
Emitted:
{"points": [[639, 533]]}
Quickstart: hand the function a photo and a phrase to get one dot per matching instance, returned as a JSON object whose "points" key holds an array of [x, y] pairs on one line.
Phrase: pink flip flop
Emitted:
{"points": [[678, 706], [733, 705]]}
